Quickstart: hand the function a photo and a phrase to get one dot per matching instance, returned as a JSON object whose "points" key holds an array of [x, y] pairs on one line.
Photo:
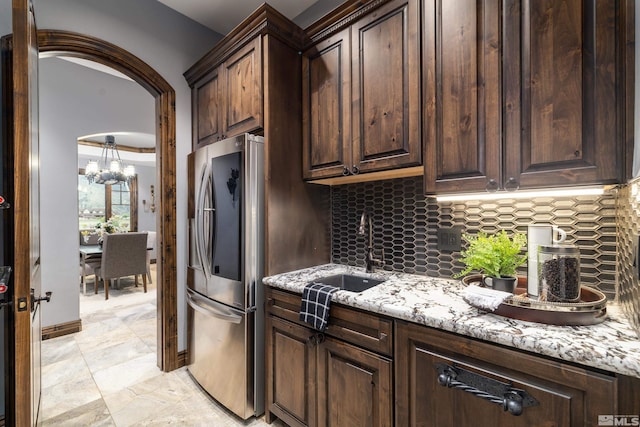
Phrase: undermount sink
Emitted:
{"points": [[350, 282]]}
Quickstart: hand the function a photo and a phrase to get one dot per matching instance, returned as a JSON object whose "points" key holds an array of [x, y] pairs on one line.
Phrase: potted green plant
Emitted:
{"points": [[496, 256]]}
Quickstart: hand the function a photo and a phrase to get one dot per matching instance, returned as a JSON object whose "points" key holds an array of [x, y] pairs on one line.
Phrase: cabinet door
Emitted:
{"points": [[561, 93], [242, 92], [386, 88], [565, 395], [291, 372], [354, 386], [326, 112], [207, 110], [461, 82]]}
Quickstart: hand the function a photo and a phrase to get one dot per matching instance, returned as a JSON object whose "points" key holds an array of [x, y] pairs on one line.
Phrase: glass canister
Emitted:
{"points": [[559, 273]]}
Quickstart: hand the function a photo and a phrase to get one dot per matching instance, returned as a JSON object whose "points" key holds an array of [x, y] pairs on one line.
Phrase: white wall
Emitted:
{"points": [[170, 44], [5, 17], [75, 101], [146, 178]]}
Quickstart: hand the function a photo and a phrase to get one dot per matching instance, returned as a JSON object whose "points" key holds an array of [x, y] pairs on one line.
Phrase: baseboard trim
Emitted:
{"points": [[182, 358], [61, 329]]}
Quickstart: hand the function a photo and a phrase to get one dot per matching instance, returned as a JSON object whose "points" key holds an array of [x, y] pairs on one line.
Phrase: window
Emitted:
{"points": [[120, 200], [97, 203]]}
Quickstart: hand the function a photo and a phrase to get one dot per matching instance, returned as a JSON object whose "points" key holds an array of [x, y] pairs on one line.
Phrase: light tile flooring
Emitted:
{"points": [[106, 375]]}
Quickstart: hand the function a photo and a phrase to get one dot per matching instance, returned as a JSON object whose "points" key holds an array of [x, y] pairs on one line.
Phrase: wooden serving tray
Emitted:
{"points": [[590, 310]]}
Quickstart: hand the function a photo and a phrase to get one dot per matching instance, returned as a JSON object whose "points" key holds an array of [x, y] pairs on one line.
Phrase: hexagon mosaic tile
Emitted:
{"points": [[405, 225], [628, 215]]}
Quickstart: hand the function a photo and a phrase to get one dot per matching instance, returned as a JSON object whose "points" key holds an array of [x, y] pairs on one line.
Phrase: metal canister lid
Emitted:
{"points": [[560, 249]]}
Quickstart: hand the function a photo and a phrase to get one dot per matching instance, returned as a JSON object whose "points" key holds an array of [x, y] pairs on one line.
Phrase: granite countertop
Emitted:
{"points": [[612, 345]]}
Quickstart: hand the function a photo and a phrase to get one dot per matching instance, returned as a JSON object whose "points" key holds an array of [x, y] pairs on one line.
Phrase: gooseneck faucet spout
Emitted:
{"points": [[370, 260]]}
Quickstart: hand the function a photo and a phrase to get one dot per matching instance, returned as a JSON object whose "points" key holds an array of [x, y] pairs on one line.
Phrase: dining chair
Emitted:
{"points": [[89, 269], [91, 238], [123, 254], [91, 262], [151, 252]]}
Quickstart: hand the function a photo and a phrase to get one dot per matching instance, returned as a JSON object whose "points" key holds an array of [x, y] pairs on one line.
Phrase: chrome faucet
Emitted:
{"points": [[370, 260]]}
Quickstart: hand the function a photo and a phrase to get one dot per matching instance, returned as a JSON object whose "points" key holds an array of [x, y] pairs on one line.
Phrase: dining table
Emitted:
{"points": [[90, 253]]}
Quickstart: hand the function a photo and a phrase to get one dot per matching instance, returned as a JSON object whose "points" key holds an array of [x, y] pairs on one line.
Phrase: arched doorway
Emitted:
{"points": [[58, 43]]}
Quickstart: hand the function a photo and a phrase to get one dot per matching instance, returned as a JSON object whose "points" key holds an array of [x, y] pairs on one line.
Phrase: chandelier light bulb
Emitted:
{"points": [[92, 167], [115, 166]]}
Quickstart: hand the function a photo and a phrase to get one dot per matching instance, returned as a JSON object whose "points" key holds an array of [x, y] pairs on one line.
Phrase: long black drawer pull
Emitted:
{"points": [[511, 399]]}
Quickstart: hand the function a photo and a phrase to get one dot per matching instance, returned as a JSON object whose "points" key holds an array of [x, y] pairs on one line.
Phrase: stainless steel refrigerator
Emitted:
{"points": [[224, 283]]}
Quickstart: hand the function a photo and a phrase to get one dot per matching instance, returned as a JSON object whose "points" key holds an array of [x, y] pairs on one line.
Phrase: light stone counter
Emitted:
{"points": [[612, 345]]}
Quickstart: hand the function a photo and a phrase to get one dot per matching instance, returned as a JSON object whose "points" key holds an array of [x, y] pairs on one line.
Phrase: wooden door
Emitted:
{"points": [[562, 93], [462, 105], [354, 386], [207, 110], [21, 92], [242, 91], [564, 395], [326, 107], [291, 372], [386, 88]]}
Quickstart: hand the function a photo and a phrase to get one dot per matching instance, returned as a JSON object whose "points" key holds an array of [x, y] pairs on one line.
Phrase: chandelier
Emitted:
{"points": [[116, 173]]}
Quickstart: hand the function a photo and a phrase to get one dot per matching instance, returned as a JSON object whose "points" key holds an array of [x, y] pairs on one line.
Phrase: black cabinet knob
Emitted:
{"points": [[513, 403], [345, 171], [355, 170]]}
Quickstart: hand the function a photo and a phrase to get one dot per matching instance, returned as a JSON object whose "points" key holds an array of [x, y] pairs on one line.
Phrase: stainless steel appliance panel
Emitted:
{"points": [[225, 271], [202, 187], [221, 353], [228, 223]]}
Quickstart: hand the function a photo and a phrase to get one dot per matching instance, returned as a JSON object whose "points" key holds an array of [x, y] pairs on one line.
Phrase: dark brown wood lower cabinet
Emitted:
{"points": [[566, 395], [354, 386], [291, 373], [342, 377], [316, 380]]}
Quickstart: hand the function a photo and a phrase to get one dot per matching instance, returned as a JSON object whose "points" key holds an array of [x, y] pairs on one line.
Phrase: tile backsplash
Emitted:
{"points": [[405, 224], [628, 216]]}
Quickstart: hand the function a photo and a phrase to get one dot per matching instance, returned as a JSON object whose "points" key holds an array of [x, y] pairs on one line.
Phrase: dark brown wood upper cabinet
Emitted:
{"points": [[562, 92], [523, 94], [326, 113], [228, 101], [385, 94], [361, 95], [461, 105], [208, 124], [242, 88]]}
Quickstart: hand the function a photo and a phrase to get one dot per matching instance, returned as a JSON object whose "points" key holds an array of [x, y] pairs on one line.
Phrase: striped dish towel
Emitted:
{"points": [[316, 299]]}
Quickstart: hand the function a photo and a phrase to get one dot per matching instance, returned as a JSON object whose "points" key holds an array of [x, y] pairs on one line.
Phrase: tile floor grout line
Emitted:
{"points": [[163, 398], [93, 379]]}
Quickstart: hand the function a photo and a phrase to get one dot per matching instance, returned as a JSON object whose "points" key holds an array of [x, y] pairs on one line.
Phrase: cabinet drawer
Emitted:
{"points": [[438, 371], [358, 327]]}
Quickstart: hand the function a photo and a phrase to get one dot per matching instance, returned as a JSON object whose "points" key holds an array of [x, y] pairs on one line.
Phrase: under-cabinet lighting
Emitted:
{"points": [[524, 194]]}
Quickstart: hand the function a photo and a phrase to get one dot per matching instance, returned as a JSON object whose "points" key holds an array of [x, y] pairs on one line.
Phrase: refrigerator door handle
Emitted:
{"points": [[211, 308], [252, 295], [200, 229]]}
